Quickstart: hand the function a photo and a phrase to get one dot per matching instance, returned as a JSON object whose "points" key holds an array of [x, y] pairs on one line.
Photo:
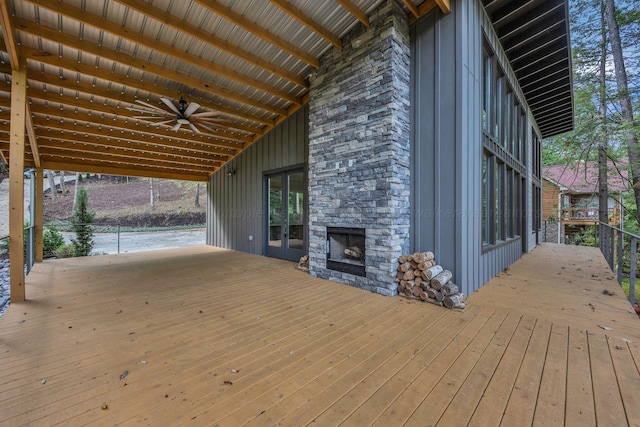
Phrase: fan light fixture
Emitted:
{"points": [[182, 114]]}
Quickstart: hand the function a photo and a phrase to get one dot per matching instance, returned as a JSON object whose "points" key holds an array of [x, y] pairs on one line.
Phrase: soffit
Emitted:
{"points": [[535, 37]]}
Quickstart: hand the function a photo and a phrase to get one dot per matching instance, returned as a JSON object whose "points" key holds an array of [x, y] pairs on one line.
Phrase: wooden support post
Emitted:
{"points": [[39, 213], [16, 182]]}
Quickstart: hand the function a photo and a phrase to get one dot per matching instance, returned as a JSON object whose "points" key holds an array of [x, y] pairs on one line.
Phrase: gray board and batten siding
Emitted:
{"points": [[447, 145], [236, 202]]}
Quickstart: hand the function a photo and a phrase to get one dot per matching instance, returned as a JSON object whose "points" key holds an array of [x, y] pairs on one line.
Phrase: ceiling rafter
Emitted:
{"points": [[132, 123], [211, 39], [412, 8], [106, 75], [32, 28], [97, 144], [152, 160], [308, 22], [261, 32], [105, 127], [79, 165], [355, 11], [156, 45], [16, 63]]}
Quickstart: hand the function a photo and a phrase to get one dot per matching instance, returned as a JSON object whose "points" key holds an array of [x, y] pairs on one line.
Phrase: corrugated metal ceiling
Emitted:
{"points": [[91, 63]]}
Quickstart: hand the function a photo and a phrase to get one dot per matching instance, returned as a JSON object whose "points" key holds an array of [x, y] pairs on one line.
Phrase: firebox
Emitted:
{"points": [[346, 250]]}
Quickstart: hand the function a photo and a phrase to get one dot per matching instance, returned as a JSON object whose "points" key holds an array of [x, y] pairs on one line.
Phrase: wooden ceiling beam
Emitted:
{"points": [[11, 47], [86, 128], [355, 11], [424, 8], [53, 103], [104, 145], [117, 104], [68, 40], [172, 21], [76, 165], [444, 5], [306, 20], [59, 152], [412, 8], [263, 33], [124, 33], [124, 81], [9, 35]]}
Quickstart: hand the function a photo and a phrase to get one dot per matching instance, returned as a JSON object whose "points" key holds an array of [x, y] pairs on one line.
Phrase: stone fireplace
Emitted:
{"points": [[346, 250], [359, 155]]}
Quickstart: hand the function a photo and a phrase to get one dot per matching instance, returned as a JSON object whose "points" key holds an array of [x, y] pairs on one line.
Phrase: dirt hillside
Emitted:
{"points": [[126, 202]]}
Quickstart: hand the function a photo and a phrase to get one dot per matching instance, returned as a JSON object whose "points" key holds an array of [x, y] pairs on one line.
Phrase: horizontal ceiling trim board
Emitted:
{"points": [[79, 166], [126, 158]]}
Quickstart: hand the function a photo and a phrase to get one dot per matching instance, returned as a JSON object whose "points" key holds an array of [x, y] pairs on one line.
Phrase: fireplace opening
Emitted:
{"points": [[346, 250]]}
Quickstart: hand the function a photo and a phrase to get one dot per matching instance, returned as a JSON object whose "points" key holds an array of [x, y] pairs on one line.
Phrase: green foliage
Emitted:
{"points": [[52, 240], [65, 251], [81, 225]]}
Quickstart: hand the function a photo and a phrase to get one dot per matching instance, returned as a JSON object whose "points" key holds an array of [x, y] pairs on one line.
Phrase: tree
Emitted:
{"points": [[603, 179], [52, 185], [627, 120], [197, 203], [81, 225]]}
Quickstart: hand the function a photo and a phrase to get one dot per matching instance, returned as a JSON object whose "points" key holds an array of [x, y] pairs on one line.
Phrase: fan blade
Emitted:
{"points": [[193, 128], [176, 127], [191, 108], [153, 107], [164, 122], [153, 117], [169, 104], [205, 114]]}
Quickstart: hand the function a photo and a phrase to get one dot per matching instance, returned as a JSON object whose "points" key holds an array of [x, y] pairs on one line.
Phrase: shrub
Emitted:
{"points": [[51, 240], [81, 225], [65, 251]]}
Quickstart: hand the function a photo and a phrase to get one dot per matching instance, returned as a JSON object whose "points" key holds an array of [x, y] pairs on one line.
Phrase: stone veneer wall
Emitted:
{"points": [[359, 147]]}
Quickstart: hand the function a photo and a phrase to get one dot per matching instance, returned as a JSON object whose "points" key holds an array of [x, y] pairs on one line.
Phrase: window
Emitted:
{"points": [[504, 155]]}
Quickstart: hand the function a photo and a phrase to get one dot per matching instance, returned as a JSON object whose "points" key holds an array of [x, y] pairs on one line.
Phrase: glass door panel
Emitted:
{"points": [[285, 224], [295, 214], [275, 211]]}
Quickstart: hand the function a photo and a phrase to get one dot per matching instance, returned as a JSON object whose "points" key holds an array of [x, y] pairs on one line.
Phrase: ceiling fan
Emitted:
{"points": [[183, 114]]}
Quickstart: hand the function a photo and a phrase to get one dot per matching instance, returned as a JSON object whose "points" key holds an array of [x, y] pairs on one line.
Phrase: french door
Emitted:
{"points": [[285, 215]]}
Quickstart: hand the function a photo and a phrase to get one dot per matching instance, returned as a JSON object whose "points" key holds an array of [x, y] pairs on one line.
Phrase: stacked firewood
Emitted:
{"points": [[419, 276], [303, 264]]}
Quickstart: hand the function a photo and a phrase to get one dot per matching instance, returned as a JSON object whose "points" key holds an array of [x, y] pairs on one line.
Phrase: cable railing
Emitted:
{"points": [[620, 250]]}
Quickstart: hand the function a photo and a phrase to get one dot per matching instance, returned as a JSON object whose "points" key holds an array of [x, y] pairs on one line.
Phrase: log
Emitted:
{"points": [[423, 296], [417, 272], [428, 255], [431, 272], [414, 264], [441, 279], [425, 284], [454, 301], [418, 280], [409, 258], [436, 295], [405, 267], [399, 275], [402, 259], [419, 257], [409, 275], [408, 292], [416, 291], [450, 288]]}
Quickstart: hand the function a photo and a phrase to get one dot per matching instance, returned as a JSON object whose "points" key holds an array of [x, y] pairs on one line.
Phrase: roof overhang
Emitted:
{"points": [[535, 37], [92, 66]]}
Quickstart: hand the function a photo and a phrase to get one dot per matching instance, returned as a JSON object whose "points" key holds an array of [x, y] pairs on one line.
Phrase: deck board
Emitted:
{"points": [[530, 347]]}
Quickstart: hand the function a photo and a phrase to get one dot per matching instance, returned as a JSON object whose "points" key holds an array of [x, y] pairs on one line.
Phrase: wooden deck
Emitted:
{"points": [[214, 337]]}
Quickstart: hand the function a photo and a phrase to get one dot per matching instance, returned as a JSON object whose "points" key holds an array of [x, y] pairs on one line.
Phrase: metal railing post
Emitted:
{"points": [[632, 270], [619, 272], [118, 238]]}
